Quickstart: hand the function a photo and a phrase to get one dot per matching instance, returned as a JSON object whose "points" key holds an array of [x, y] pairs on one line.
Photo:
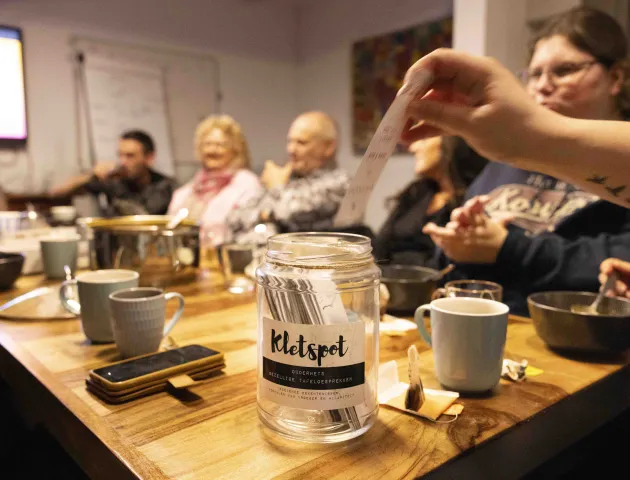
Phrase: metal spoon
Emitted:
{"points": [[72, 294], [66, 269], [594, 308], [439, 275]]}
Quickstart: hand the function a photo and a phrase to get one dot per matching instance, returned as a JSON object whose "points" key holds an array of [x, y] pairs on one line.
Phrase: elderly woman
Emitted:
{"points": [[542, 233], [224, 181]]}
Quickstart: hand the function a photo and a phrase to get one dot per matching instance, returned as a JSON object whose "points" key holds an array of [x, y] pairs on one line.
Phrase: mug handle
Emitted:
{"points": [[439, 293], [419, 319], [70, 304], [177, 314]]}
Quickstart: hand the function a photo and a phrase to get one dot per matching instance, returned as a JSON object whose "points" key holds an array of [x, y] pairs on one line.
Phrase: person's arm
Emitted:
{"points": [[590, 154], [73, 185], [93, 181], [242, 219], [478, 99], [550, 262]]}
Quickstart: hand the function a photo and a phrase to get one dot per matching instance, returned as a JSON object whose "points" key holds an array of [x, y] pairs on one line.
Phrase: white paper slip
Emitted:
{"points": [[379, 150]]}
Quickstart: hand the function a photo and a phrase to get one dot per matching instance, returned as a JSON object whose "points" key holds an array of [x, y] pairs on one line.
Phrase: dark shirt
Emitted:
{"points": [[559, 236], [127, 197], [400, 239]]}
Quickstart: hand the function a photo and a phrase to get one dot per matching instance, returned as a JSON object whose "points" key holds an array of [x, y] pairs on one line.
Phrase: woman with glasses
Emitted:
{"points": [[532, 232], [224, 181]]}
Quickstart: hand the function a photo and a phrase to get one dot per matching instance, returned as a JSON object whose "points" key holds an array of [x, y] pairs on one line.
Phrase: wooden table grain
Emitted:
{"points": [[212, 431]]}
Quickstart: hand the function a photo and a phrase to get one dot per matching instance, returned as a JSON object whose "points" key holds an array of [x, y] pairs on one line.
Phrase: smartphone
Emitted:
{"points": [[156, 367]]}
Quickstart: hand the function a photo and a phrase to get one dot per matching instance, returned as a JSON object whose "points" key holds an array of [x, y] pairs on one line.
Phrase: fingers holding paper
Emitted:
{"points": [[475, 98]]}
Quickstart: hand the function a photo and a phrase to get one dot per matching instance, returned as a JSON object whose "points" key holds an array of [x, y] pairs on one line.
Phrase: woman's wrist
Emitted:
{"points": [[552, 138]]}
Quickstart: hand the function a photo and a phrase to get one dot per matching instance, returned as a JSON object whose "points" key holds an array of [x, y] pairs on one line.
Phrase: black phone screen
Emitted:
{"points": [[138, 367]]}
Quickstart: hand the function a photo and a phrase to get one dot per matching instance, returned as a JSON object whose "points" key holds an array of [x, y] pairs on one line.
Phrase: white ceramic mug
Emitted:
{"points": [[468, 339], [138, 319]]}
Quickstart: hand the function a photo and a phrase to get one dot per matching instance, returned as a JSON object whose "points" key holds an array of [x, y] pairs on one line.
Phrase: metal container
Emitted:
{"points": [[409, 287], [562, 329], [142, 243]]}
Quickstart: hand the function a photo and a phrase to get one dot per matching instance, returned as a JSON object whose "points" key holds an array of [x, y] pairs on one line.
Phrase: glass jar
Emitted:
{"points": [[318, 320]]}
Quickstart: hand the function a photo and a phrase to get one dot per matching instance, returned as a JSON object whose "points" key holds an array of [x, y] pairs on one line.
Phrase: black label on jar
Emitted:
{"points": [[314, 378]]}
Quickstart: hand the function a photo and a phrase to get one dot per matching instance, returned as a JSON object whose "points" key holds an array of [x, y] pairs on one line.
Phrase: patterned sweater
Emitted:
{"points": [[304, 204]]}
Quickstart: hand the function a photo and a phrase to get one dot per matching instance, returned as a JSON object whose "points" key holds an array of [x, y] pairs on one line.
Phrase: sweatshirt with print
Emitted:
{"points": [[558, 238]]}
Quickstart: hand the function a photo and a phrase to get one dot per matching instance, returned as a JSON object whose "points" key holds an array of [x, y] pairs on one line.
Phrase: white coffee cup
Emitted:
{"points": [[138, 319], [468, 339]]}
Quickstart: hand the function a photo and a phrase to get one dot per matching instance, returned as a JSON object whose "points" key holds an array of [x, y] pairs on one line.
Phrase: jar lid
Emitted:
{"points": [[319, 249]]}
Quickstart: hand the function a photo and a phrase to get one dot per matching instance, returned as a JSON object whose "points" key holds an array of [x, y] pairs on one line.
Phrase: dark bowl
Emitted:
{"points": [[562, 329], [10, 269], [409, 287]]}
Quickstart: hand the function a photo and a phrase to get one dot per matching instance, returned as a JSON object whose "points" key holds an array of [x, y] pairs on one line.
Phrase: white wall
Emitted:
{"points": [[496, 28], [327, 30], [255, 44]]}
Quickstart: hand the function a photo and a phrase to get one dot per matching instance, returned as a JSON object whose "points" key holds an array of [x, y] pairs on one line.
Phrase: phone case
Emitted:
{"points": [[154, 378], [143, 391], [193, 374]]}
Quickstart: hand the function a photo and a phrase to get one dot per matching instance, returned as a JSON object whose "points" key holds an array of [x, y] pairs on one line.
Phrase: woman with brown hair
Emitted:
{"points": [[444, 168], [545, 234], [224, 181]]}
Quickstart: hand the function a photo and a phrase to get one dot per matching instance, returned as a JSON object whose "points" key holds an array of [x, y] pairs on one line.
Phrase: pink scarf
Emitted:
{"points": [[208, 184]]}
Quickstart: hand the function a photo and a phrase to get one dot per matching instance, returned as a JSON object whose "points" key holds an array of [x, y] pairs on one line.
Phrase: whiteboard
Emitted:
{"points": [[190, 82], [127, 96]]}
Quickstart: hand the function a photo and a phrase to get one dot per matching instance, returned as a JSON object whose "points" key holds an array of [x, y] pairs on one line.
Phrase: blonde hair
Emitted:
{"points": [[233, 130]]}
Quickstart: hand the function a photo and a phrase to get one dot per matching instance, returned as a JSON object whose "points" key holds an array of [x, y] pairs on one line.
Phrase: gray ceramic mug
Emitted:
{"points": [[468, 338], [93, 305], [138, 319], [57, 253]]}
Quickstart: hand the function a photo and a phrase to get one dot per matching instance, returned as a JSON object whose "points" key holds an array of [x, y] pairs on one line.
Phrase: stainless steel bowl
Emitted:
{"points": [[142, 243], [409, 287], [562, 329]]}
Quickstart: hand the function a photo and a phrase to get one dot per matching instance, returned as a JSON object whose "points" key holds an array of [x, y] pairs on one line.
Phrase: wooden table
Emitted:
{"points": [[214, 432]]}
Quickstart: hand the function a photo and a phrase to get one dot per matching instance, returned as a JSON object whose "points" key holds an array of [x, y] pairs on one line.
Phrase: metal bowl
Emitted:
{"points": [[562, 329], [409, 287], [10, 269], [142, 243]]}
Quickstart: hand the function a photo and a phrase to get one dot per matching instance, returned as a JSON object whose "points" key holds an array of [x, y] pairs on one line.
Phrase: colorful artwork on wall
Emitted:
{"points": [[378, 68]]}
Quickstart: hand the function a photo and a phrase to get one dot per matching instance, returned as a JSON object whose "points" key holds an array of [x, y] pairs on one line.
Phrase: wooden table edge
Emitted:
{"points": [[511, 456], [40, 386]]}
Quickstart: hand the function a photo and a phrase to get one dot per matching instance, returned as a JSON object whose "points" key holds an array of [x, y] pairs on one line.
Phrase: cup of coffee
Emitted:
{"points": [[470, 288], [138, 319], [57, 253], [468, 339], [93, 305]]}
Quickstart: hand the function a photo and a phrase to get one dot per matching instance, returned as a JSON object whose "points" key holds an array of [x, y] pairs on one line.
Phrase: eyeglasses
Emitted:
{"points": [[560, 74]]}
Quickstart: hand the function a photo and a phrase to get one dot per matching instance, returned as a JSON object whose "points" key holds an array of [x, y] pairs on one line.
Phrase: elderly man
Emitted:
{"points": [[305, 193], [130, 186]]}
